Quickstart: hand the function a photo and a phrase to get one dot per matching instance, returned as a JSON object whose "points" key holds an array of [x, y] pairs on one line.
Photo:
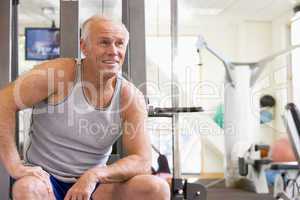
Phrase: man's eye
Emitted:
{"points": [[119, 44], [104, 43]]}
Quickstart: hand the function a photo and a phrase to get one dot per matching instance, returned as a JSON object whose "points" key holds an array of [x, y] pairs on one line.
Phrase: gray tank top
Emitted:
{"points": [[72, 136]]}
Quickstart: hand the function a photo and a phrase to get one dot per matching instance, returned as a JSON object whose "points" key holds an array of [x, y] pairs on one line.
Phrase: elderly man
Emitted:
{"points": [[80, 108]]}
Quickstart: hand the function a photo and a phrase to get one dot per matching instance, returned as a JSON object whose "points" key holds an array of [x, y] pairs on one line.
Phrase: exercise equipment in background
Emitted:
{"points": [[181, 189], [253, 165]]}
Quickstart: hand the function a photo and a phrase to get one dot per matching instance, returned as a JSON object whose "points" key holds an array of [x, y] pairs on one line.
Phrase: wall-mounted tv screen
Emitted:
{"points": [[41, 43]]}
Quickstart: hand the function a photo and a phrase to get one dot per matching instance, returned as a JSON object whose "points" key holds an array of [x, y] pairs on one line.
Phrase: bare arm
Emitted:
{"points": [[135, 141], [8, 150], [26, 91]]}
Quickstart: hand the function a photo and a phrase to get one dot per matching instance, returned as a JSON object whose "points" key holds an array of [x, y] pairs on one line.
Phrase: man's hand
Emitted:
{"points": [[19, 171], [84, 187]]}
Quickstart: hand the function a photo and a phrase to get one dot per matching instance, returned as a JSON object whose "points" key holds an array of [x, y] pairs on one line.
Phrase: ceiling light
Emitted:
{"points": [[48, 11], [209, 11]]}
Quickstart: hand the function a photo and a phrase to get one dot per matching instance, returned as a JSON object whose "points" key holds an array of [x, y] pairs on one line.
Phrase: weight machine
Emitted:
{"points": [[240, 123], [180, 188]]}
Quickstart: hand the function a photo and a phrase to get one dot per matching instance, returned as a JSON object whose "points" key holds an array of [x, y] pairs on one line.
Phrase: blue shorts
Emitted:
{"points": [[60, 188]]}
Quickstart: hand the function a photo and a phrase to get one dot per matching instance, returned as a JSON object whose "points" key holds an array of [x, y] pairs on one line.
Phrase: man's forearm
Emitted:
{"points": [[123, 169], [8, 151]]}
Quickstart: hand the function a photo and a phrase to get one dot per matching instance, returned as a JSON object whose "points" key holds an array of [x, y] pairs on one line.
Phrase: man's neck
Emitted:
{"points": [[96, 78]]}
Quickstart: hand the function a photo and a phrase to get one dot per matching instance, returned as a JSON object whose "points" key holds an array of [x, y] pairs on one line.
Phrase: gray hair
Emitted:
{"points": [[85, 29]]}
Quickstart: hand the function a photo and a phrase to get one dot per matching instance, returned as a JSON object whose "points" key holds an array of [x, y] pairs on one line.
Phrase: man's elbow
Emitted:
{"points": [[146, 163]]}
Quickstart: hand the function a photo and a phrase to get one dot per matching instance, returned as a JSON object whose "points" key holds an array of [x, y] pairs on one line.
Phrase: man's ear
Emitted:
{"points": [[83, 47]]}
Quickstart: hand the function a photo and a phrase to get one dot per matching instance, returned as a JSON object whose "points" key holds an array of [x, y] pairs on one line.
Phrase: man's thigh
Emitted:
{"points": [[32, 187], [141, 186]]}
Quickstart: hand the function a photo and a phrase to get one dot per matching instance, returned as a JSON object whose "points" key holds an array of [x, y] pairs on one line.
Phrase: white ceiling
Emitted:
{"points": [[260, 10], [31, 14], [30, 11], [266, 10]]}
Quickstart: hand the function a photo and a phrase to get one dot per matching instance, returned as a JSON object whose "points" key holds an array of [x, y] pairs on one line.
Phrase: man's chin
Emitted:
{"points": [[109, 74]]}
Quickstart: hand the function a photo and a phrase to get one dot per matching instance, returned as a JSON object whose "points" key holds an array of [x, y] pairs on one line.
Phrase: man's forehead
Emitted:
{"points": [[108, 27], [110, 35]]}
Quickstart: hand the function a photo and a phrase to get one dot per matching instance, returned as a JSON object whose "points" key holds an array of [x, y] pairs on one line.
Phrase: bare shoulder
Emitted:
{"points": [[129, 90], [132, 99], [53, 72], [59, 65], [37, 84]]}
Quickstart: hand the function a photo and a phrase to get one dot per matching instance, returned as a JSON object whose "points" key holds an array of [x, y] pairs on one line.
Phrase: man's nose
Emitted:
{"points": [[113, 50]]}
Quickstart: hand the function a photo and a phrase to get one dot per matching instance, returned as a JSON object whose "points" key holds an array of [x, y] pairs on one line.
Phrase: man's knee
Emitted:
{"points": [[106, 191], [28, 186], [139, 187], [154, 187]]}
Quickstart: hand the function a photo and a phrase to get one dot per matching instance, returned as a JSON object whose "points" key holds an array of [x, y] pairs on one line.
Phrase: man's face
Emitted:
{"points": [[105, 47]]}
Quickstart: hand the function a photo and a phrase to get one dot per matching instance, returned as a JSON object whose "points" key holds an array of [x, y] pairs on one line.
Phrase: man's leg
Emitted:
{"points": [[30, 188], [146, 187]]}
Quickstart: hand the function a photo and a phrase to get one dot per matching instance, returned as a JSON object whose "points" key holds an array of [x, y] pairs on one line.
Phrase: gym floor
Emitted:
{"points": [[219, 192], [235, 194]]}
